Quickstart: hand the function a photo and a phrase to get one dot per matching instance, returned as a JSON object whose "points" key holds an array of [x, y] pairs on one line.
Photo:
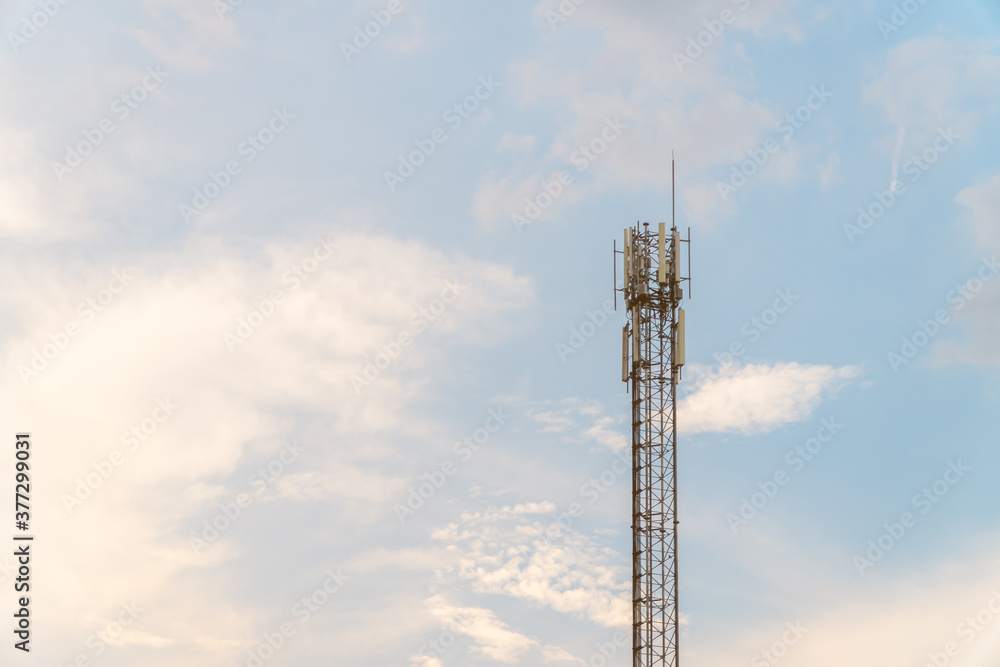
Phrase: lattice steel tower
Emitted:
{"points": [[652, 357]]}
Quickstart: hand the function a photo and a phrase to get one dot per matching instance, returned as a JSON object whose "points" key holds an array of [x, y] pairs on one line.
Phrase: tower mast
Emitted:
{"points": [[652, 358]]}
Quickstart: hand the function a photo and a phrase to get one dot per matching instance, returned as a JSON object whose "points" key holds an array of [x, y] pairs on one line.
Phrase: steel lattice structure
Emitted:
{"points": [[652, 357]]}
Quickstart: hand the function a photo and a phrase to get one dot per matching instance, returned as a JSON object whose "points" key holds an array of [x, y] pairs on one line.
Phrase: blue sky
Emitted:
{"points": [[336, 347]]}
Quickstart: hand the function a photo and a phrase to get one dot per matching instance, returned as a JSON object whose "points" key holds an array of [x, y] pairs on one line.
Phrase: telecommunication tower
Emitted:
{"points": [[652, 358]]}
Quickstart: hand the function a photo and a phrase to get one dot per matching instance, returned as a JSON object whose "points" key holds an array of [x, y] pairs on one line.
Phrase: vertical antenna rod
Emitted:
{"points": [[673, 192]]}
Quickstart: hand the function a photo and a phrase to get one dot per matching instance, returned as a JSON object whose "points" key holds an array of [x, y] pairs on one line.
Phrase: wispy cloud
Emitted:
{"points": [[758, 398]]}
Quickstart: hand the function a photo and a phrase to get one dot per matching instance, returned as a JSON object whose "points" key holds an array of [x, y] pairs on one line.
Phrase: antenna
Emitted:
{"points": [[655, 329], [673, 191]]}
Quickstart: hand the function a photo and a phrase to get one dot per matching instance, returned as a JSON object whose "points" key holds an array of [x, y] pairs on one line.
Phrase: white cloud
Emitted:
{"points": [[188, 33], [887, 623], [558, 654], [579, 420], [494, 638], [426, 661], [976, 342], [758, 398], [980, 315], [162, 337], [535, 198], [932, 82], [540, 562], [517, 143], [410, 38], [901, 609], [343, 482], [140, 638], [984, 201], [627, 70]]}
